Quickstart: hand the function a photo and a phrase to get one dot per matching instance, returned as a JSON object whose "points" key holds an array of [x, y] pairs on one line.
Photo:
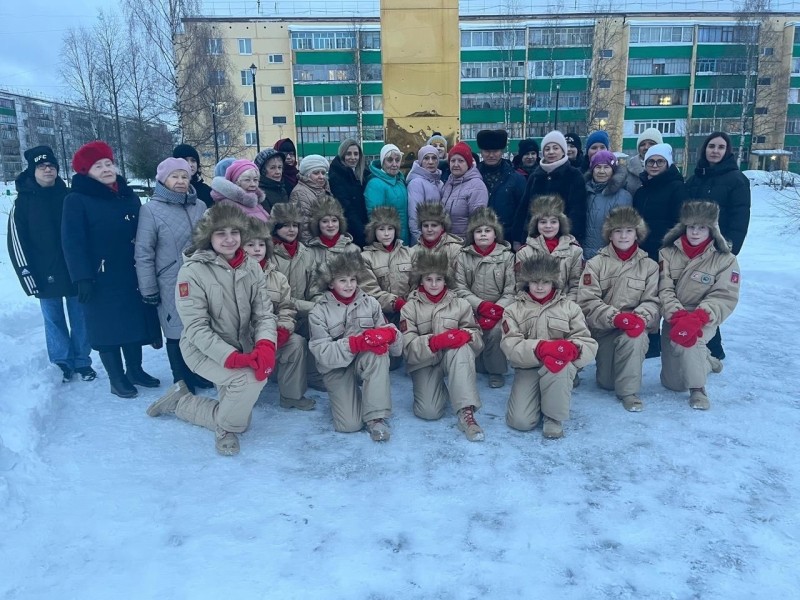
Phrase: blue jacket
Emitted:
{"points": [[383, 189]]}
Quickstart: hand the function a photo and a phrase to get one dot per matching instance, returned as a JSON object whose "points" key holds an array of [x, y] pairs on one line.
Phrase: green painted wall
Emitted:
{"points": [[793, 110], [710, 82], [720, 51], [330, 57], [486, 86], [656, 112], [647, 82], [336, 89], [660, 52], [722, 110], [491, 55], [559, 53], [570, 84], [306, 120], [490, 116]]}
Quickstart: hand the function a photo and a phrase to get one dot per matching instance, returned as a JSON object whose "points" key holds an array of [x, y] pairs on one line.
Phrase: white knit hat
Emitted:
{"points": [[652, 134], [389, 148], [312, 162], [664, 150], [555, 137]]}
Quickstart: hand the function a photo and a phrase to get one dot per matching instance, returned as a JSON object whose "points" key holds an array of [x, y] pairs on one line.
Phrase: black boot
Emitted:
{"points": [[714, 346], [654, 349], [134, 371], [180, 372], [120, 384]]}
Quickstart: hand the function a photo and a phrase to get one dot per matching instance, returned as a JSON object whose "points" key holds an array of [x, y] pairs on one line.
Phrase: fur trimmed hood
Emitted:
{"points": [[258, 230], [699, 213], [615, 184], [625, 216], [433, 211], [382, 215], [283, 213], [215, 218], [328, 207], [540, 267], [222, 189], [548, 206], [346, 263], [427, 262], [484, 216]]}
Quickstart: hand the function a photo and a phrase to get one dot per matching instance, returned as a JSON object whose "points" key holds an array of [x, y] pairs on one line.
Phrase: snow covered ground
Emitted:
{"points": [[97, 500]]}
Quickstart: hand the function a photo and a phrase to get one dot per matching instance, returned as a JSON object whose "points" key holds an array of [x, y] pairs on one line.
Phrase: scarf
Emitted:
{"points": [[388, 248], [329, 242], [693, 251], [432, 245], [551, 244], [546, 299], [291, 247], [435, 299], [290, 174], [550, 167], [263, 263], [626, 254], [342, 299], [489, 249], [238, 259]]}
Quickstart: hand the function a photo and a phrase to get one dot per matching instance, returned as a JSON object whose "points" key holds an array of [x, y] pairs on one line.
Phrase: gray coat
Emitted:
{"points": [[598, 205], [634, 166], [165, 230]]}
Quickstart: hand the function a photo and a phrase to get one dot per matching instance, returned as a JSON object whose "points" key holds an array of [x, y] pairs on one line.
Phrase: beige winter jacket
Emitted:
{"points": [[486, 278], [332, 323], [420, 319], [449, 243], [569, 255], [222, 309], [610, 286], [281, 295], [709, 281], [526, 323], [299, 270], [322, 256], [305, 196], [387, 273]]}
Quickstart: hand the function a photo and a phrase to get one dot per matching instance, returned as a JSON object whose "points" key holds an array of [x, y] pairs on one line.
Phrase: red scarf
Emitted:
{"points": [[263, 263], [114, 186], [237, 259], [489, 249], [291, 247], [693, 251], [435, 299], [342, 299], [546, 299], [431, 245], [329, 242], [626, 254], [551, 244], [388, 248]]}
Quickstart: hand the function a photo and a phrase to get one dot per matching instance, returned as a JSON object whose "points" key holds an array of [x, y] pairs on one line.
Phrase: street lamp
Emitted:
{"points": [[558, 93], [253, 70], [323, 144], [214, 126]]}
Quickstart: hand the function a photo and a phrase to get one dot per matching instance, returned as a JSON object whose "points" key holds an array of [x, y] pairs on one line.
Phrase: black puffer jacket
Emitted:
{"points": [[349, 191], [659, 201], [274, 192], [203, 190], [726, 185], [506, 191]]}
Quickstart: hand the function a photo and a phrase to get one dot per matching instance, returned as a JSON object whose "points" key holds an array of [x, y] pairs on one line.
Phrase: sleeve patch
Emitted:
{"points": [[660, 266], [734, 277], [587, 279], [183, 289], [505, 327], [403, 326]]}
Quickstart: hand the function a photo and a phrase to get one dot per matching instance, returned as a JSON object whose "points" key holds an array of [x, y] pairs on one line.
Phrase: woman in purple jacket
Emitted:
{"points": [[464, 192], [424, 184]]}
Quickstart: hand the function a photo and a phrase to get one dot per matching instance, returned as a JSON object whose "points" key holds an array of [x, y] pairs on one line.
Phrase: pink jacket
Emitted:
{"points": [[462, 196], [227, 192]]}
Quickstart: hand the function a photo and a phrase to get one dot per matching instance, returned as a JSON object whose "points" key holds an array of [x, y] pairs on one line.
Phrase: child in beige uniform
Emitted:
{"points": [[441, 339], [485, 279], [699, 289], [618, 294], [546, 340], [351, 341], [434, 225], [330, 237]]}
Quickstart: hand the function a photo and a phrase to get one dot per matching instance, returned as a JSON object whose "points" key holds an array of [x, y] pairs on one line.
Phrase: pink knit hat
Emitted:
{"points": [[237, 167], [427, 150], [168, 165]]}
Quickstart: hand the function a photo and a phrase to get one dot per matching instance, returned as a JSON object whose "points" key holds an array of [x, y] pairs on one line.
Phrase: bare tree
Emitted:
{"points": [[81, 71], [607, 81]]}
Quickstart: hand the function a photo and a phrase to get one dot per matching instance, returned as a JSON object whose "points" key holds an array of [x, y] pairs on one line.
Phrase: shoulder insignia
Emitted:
{"points": [[660, 265], [505, 327], [403, 326], [734, 277], [587, 279], [183, 289]]}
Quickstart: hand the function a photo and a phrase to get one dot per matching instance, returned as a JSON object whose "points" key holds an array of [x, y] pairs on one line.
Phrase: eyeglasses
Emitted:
{"points": [[45, 166], [655, 162]]}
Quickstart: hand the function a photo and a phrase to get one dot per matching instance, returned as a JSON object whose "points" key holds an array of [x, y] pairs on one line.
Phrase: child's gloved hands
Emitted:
{"points": [[554, 365], [358, 343], [283, 336], [449, 340], [238, 360], [631, 323], [380, 336], [264, 356], [487, 323], [398, 304], [490, 310], [558, 349]]}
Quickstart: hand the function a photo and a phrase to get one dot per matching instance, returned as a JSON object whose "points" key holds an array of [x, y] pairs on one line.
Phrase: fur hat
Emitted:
{"points": [[484, 216], [598, 136], [215, 218], [345, 263], [540, 267], [258, 230], [327, 207], [625, 216], [573, 139], [283, 213], [263, 157], [492, 139], [699, 212], [40, 154], [464, 151], [652, 134], [90, 153], [433, 211], [313, 162], [555, 137], [527, 145], [664, 150], [548, 206], [427, 262], [168, 165], [382, 215]]}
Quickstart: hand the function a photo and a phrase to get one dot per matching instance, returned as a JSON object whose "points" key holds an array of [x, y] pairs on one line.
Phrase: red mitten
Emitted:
{"points": [[686, 331], [398, 304], [701, 315], [264, 355], [554, 365], [283, 336], [631, 323], [490, 310], [380, 336], [450, 339], [237, 360], [486, 323], [359, 344], [560, 349], [678, 315]]}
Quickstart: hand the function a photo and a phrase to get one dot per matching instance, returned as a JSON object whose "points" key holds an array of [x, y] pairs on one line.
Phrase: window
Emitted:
{"points": [[245, 46], [722, 96], [541, 128], [793, 125], [706, 126], [658, 97], [761, 139], [492, 70], [223, 139], [796, 62], [497, 100], [247, 77], [324, 104], [275, 58], [725, 66], [277, 89], [794, 96], [250, 138], [278, 120], [606, 54], [767, 51], [727, 34], [601, 114], [659, 66], [371, 40], [664, 126], [508, 38], [372, 103], [761, 110], [370, 72], [795, 150], [216, 77], [561, 36], [215, 46], [565, 100], [765, 81], [604, 84], [250, 108], [323, 40], [334, 72], [559, 68], [654, 34], [314, 133], [470, 130]]}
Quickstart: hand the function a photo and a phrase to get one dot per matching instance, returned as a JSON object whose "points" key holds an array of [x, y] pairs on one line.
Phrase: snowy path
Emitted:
{"points": [[97, 500]]}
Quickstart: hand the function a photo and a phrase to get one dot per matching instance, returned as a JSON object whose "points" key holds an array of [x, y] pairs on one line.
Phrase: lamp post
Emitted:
{"points": [[214, 126], [558, 93], [253, 70], [323, 144]]}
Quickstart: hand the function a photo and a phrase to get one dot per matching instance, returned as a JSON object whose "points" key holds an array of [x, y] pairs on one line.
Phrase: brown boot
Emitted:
{"points": [[227, 443], [698, 399], [552, 429], [468, 424], [300, 404], [167, 404], [632, 403], [378, 430]]}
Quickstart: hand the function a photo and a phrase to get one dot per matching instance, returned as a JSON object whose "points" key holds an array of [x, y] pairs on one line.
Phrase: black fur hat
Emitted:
{"points": [[492, 139]]}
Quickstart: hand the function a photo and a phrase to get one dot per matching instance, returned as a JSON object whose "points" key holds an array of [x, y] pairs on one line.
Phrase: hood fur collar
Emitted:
{"points": [[222, 189]]}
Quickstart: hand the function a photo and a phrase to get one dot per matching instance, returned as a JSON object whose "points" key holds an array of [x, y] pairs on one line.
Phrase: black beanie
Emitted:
{"points": [[40, 154], [574, 139], [186, 151], [492, 139], [527, 145]]}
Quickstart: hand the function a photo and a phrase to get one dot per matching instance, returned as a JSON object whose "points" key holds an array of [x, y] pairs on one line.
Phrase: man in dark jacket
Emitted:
{"points": [[189, 153], [574, 152], [34, 246], [506, 186]]}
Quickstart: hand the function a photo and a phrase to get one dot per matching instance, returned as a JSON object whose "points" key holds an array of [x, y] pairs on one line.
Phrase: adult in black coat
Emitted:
{"points": [[98, 231], [34, 248], [506, 186], [347, 178], [554, 175], [270, 164], [189, 153], [717, 178]]}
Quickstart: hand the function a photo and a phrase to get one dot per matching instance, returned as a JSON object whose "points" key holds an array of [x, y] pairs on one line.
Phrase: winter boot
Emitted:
{"points": [[300, 404], [378, 430], [135, 373], [86, 373], [120, 384], [698, 399], [552, 429], [496, 381], [167, 404], [66, 373], [632, 403], [227, 444], [716, 364], [654, 345], [201, 382], [468, 424]]}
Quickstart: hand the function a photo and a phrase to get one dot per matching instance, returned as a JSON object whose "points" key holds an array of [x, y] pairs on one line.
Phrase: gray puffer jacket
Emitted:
{"points": [[633, 167], [598, 205]]}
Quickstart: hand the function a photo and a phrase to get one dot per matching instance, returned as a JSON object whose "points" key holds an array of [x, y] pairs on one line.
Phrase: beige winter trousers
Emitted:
{"points": [[237, 390], [538, 391], [492, 360], [683, 368], [290, 368], [431, 394], [352, 406], [619, 362]]}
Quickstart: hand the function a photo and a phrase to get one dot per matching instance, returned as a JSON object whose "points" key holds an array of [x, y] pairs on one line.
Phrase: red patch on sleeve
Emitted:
{"points": [[660, 266], [403, 325], [734, 277], [587, 279], [183, 289], [505, 327], [517, 266]]}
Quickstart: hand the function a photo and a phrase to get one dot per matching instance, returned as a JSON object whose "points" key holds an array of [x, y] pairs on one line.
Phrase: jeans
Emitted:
{"points": [[65, 347]]}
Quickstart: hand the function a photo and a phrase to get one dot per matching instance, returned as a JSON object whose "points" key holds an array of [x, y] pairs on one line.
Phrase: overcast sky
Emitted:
{"points": [[30, 41]]}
